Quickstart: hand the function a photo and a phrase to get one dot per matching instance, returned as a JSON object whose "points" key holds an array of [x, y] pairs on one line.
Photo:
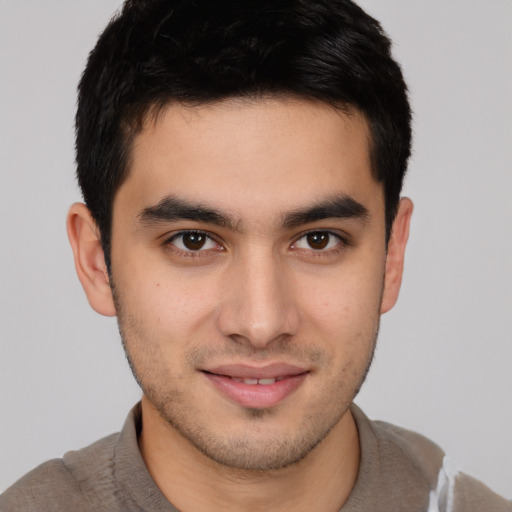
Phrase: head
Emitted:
{"points": [[241, 163], [156, 53]]}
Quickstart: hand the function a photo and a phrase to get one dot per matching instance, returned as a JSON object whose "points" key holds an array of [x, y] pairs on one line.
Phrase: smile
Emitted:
{"points": [[253, 387]]}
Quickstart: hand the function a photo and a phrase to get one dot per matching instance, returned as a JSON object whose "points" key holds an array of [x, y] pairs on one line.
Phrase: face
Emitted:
{"points": [[248, 263]]}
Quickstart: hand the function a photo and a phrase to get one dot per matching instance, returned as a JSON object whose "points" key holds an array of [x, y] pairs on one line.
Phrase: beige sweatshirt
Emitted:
{"points": [[400, 471]]}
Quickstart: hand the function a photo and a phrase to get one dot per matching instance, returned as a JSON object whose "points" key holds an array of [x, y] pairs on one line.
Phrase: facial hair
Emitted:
{"points": [[257, 448]]}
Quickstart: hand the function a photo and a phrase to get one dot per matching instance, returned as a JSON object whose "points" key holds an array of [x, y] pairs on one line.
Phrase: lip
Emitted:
{"points": [[229, 380]]}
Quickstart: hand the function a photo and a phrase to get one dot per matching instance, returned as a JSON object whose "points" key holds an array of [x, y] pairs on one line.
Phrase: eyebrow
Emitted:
{"points": [[338, 207], [172, 208]]}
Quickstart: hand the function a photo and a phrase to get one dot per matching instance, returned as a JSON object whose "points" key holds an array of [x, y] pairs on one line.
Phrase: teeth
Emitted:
{"points": [[253, 382], [266, 382]]}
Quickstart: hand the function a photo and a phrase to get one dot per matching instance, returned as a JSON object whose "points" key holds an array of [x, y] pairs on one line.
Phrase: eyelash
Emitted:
{"points": [[168, 243], [343, 242]]}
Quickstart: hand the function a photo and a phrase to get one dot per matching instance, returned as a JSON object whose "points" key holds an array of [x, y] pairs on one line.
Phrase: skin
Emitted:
{"points": [[259, 291]]}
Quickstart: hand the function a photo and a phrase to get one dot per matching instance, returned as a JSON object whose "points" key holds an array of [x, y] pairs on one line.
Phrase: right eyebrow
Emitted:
{"points": [[172, 208]]}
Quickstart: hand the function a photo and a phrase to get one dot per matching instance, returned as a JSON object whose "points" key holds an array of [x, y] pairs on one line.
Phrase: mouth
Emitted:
{"points": [[256, 387]]}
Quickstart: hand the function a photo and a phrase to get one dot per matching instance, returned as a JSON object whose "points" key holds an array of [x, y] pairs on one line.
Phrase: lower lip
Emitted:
{"points": [[256, 396]]}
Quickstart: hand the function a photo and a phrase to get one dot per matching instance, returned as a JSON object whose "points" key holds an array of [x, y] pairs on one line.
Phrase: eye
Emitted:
{"points": [[318, 241], [193, 241]]}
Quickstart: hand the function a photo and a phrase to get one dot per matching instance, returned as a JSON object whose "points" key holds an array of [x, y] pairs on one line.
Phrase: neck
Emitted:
{"points": [[191, 481]]}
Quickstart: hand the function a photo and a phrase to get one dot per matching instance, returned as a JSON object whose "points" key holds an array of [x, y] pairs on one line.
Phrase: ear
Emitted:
{"points": [[84, 237], [396, 254]]}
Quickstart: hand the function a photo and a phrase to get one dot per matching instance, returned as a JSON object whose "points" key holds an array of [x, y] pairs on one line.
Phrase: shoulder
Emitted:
{"points": [[458, 492], [407, 471], [451, 489], [421, 457], [76, 482], [396, 455]]}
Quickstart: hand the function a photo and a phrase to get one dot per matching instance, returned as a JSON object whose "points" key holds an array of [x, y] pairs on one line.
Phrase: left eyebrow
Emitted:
{"points": [[340, 207]]}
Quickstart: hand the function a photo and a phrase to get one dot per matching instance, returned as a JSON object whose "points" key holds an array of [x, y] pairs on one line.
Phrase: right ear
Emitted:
{"points": [[84, 237]]}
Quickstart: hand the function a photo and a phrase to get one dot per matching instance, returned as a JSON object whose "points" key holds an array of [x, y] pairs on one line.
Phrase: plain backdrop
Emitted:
{"points": [[443, 364]]}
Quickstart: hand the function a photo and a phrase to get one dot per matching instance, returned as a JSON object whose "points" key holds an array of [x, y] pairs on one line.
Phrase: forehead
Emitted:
{"points": [[256, 155]]}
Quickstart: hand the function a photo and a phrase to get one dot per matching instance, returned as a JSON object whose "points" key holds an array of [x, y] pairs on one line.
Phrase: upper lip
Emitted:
{"points": [[270, 371]]}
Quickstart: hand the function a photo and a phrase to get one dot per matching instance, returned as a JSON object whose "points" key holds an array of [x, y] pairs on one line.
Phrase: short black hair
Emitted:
{"points": [[155, 52]]}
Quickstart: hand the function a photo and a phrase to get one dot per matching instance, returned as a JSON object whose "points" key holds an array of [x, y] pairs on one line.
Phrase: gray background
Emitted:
{"points": [[443, 364]]}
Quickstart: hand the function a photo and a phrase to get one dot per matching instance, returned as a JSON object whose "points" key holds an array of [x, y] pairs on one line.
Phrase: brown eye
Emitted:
{"points": [[318, 240], [194, 241]]}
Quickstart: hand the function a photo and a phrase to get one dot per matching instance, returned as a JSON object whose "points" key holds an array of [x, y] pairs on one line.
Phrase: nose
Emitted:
{"points": [[258, 306]]}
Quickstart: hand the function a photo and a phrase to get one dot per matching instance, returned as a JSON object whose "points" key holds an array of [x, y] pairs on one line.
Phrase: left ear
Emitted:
{"points": [[396, 254]]}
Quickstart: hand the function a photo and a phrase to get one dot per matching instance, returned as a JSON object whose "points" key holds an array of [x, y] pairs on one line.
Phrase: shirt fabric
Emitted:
{"points": [[400, 471]]}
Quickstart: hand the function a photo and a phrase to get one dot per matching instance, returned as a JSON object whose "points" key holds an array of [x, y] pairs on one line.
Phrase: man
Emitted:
{"points": [[242, 164]]}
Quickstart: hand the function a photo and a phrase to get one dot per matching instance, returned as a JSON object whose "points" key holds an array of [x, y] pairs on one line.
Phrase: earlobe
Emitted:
{"points": [[91, 269], [396, 254]]}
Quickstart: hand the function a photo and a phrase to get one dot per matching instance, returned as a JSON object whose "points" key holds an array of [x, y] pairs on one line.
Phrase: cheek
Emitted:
{"points": [[168, 304], [344, 298], [344, 311]]}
